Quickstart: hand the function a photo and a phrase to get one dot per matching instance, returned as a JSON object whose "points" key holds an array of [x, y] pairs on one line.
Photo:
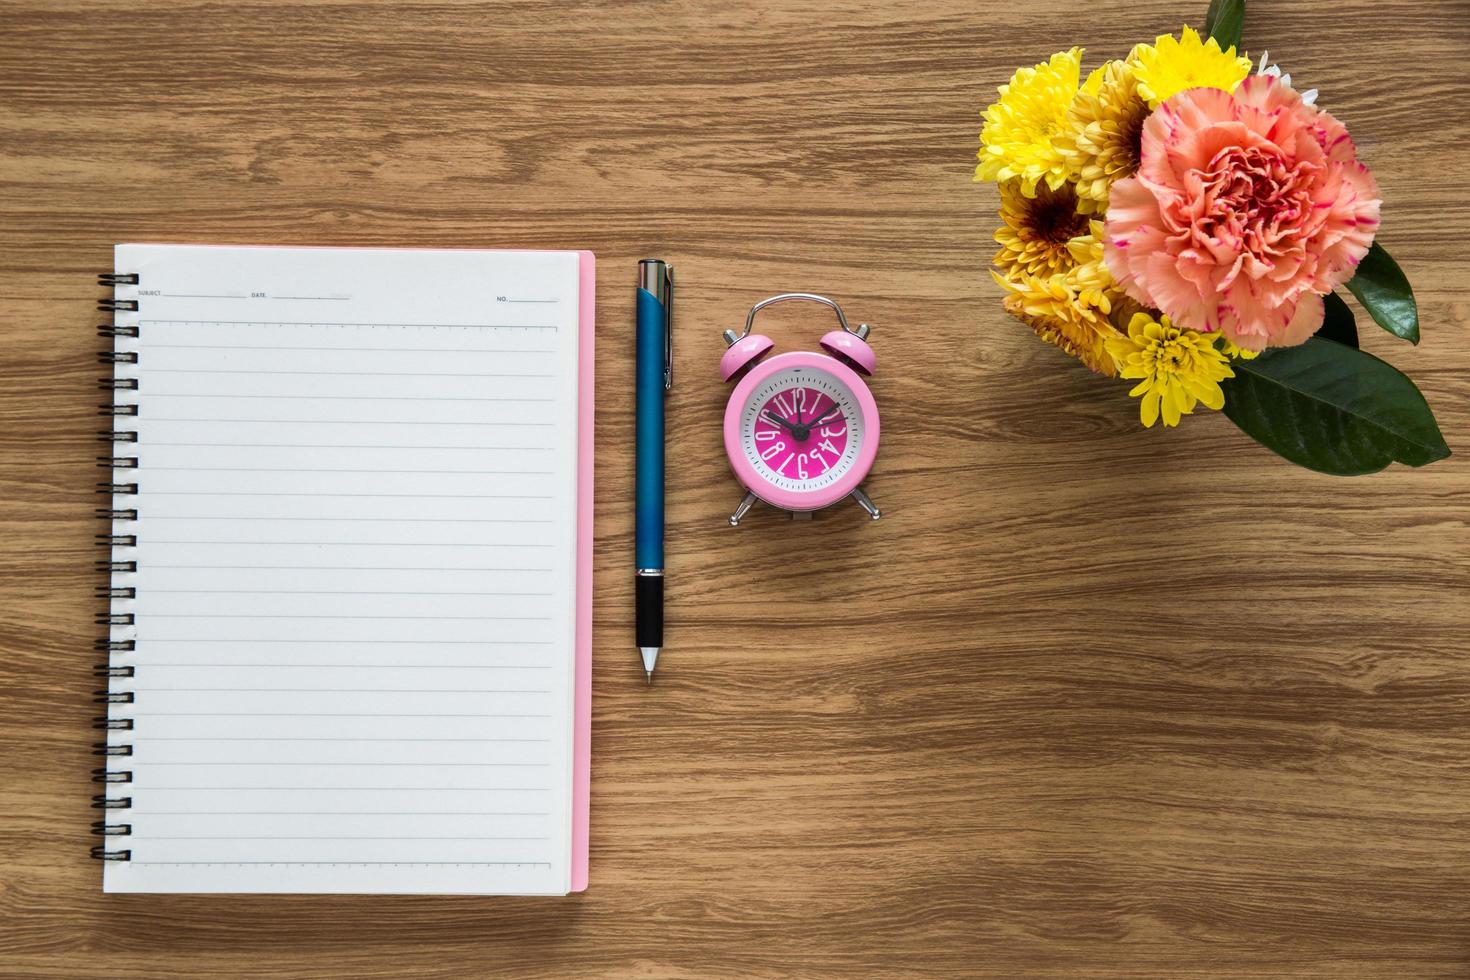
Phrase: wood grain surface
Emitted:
{"points": [[1088, 701]]}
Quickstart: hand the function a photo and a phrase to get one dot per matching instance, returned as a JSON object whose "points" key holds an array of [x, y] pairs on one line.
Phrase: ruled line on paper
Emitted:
{"points": [[333, 690], [295, 493], [343, 398], [325, 323], [136, 837], [322, 714], [318, 714], [477, 642], [277, 349], [352, 666], [318, 469], [359, 544], [134, 811], [338, 374], [167, 418], [537, 595], [390, 765], [207, 738], [487, 619], [338, 445], [352, 864], [378, 520]]}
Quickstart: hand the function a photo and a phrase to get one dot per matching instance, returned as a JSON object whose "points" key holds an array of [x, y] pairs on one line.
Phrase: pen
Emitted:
{"points": [[655, 370]]}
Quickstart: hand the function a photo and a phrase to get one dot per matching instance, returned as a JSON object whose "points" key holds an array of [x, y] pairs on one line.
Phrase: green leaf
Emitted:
{"points": [[1225, 21], [1340, 324], [1384, 291], [1332, 409]]}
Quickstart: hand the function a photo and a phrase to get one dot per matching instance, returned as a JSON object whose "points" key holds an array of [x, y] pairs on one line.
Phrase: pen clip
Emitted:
{"points": [[669, 328]]}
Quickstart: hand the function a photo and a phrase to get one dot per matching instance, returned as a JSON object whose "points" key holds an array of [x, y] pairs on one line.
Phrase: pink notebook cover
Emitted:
{"points": [[582, 692], [582, 697]]}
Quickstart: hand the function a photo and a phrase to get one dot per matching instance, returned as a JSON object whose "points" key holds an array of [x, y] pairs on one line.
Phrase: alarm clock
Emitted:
{"points": [[801, 429]]}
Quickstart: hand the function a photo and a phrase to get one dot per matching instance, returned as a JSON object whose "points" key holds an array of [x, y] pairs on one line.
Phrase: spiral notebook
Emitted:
{"points": [[349, 642]]}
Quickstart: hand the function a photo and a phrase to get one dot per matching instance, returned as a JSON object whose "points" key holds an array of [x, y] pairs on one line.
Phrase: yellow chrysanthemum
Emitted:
{"points": [[1176, 368], [1125, 308], [1227, 346], [1170, 65], [1018, 138], [1036, 231], [1054, 308], [1104, 133], [1094, 80], [1089, 273]]}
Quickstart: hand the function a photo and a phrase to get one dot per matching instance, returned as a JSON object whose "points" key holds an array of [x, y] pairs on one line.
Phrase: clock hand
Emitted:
{"points": [[824, 416], [776, 418], [818, 417], [801, 432]]}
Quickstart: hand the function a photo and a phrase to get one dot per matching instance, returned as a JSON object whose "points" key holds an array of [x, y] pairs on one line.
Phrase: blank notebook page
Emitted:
{"points": [[356, 570]]}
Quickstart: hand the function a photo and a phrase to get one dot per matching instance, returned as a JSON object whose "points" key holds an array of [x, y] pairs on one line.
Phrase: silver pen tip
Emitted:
{"points": [[649, 656]]}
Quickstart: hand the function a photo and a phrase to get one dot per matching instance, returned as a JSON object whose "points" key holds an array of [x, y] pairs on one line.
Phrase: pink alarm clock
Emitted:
{"points": [[801, 429]]}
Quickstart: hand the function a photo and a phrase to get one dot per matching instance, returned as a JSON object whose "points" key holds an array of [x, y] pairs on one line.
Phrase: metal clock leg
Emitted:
{"points": [[866, 504], [745, 504]]}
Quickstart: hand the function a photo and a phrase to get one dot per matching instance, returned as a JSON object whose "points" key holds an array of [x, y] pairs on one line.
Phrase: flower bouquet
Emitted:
{"points": [[1182, 221]]}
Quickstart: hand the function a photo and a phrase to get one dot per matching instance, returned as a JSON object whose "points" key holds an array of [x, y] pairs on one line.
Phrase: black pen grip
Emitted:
{"points": [[649, 610]]}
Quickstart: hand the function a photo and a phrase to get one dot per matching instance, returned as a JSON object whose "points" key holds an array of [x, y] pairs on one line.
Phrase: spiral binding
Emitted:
{"points": [[120, 566]]}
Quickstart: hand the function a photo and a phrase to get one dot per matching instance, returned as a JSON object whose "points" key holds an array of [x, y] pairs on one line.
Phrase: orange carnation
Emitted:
{"points": [[1246, 210]]}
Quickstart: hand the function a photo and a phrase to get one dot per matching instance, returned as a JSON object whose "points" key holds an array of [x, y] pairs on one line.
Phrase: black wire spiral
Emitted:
{"points": [[108, 670]]}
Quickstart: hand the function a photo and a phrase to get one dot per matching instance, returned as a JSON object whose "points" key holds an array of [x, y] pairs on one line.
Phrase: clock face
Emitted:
{"points": [[802, 430]]}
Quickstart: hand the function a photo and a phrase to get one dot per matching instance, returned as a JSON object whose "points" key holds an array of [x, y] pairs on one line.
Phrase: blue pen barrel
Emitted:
{"points": [[648, 545]]}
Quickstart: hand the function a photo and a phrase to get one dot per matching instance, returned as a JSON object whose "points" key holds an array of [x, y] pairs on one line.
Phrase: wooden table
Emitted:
{"points": [[1089, 700]]}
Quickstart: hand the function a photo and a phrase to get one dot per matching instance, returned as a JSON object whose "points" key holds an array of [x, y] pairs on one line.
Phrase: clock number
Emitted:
{"points": [[794, 406], [825, 446]]}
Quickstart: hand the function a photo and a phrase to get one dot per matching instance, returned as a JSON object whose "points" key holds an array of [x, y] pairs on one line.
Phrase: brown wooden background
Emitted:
{"points": [[1090, 700]]}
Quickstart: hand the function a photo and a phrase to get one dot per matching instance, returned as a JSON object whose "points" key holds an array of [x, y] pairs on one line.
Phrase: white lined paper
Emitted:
{"points": [[354, 617]]}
